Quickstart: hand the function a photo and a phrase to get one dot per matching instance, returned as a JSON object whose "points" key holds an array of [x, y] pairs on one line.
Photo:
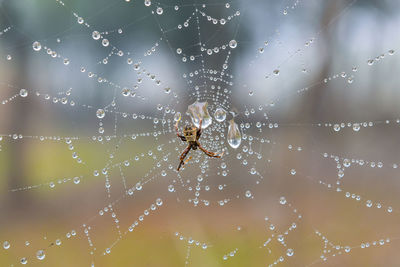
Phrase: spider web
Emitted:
{"points": [[89, 150]]}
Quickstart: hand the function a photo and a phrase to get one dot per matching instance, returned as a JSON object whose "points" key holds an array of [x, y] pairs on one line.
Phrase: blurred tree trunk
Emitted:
{"points": [[315, 102], [18, 122], [15, 119]]}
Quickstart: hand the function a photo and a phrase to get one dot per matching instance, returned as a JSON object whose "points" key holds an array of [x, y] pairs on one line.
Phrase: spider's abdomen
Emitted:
{"points": [[193, 144]]}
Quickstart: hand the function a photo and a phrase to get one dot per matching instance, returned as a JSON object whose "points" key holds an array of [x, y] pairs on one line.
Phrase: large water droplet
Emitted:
{"points": [[234, 136], [220, 114], [197, 111]]}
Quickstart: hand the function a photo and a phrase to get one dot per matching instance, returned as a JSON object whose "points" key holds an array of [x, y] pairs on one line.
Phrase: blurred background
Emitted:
{"points": [[317, 183]]}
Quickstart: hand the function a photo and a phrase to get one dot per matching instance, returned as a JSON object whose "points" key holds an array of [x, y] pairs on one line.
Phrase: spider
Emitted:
{"points": [[191, 134]]}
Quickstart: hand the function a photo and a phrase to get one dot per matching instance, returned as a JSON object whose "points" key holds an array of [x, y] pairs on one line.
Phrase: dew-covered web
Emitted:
{"points": [[299, 98]]}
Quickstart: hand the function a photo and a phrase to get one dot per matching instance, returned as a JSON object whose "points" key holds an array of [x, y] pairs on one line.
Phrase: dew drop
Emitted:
{"points": [[96, 35], [125, 91], [6, 245], [159, 10], [105, 42], [100, 113], [356, 127], [336, 127], [77, 180], [234, 136], [220, 114], [289, 252], [23, 93], [197, 111], [233, 44], [40, 255], [177, 116], [248, 194], [36, 46]]}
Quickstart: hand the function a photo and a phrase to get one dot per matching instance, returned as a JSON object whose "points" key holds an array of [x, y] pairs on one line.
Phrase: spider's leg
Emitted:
{"points": [[183, 156], [199, 131], [186, 161], [177, 132], [209, 153]]}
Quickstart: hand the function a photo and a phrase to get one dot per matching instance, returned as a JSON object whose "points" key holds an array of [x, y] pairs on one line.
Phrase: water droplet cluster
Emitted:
{"points": [[125, 105]]}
